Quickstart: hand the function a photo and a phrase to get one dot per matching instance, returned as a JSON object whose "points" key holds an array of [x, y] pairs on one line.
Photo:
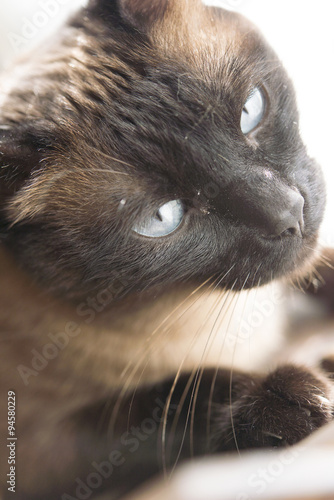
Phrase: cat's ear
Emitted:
{"points": [[144, 13], [140, 14]]}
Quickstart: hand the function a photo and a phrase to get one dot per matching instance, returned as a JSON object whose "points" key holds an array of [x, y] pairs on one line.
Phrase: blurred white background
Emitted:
{"points": [[301, 31]]}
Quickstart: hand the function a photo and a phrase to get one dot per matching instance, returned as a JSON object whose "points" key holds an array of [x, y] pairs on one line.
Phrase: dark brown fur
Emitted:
{"points": [[141, 101]]}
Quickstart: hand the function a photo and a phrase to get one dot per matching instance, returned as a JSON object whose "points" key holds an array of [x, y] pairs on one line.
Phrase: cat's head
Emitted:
{"points": [[158, 140]]}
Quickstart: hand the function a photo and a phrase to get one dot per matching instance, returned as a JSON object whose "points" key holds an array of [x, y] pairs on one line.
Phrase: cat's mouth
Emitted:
{"points": [[290, 256]]}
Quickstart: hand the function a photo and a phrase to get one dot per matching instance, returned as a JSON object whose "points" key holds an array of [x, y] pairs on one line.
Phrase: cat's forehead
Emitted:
{"points": [[167, 104], [219, 48], [181, 111], [205, 35]]}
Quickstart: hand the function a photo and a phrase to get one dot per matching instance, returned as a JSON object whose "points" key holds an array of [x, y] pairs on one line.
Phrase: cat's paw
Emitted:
{"points": [[280, 409]]}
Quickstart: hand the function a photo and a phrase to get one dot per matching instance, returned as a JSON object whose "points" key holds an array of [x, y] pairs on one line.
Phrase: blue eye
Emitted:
{"points": [[165, 221], [252, 112]]}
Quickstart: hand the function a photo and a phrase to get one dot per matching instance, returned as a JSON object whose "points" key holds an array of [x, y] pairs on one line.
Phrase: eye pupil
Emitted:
{"points": [[158, 216], [252, 111]]}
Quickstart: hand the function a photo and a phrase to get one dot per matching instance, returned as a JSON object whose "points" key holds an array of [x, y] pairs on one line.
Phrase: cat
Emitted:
{"points": [[152, 173]]}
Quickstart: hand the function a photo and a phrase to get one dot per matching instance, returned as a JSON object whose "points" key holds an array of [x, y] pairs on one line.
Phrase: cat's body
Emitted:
{"points": [[137, 106], [65, 361]]}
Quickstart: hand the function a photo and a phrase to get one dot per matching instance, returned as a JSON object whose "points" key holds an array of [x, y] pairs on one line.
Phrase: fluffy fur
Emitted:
{"points": [[140, 103]]}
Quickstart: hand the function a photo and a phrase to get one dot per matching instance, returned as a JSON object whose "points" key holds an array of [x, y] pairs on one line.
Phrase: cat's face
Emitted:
{"points": [[159, 141]]}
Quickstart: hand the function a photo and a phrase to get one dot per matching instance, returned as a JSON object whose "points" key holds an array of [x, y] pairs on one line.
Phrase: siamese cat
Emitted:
{"points": [[152, 181]]}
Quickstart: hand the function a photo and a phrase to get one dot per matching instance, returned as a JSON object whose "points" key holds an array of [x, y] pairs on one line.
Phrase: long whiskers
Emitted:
{"points": [[183, 397], [225, 308], [231, 387], [156, 346], [192, 375], [195, 376], [216, 372], [149, 348]]}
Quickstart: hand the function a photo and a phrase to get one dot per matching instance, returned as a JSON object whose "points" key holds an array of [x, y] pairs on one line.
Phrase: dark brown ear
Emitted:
{"points": [[140, 14], [144, 13]]}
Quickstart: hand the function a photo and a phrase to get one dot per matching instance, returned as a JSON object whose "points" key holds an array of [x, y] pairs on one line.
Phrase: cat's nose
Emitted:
{"points": [[286, 218]]}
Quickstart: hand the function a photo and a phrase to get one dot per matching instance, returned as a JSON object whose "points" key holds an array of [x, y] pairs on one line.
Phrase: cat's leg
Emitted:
{"points": [[224, 410], [120, 442], [128, 439]]}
